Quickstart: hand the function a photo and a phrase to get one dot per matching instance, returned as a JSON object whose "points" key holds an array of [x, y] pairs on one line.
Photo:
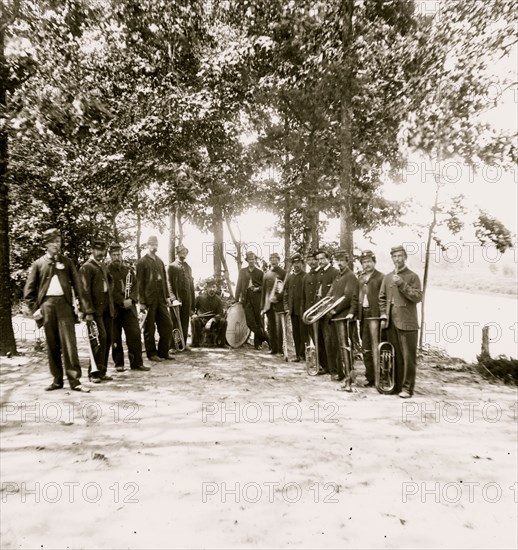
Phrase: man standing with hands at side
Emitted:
{"points": [[97, 292], [182, 286], [153, 296], [49, 294], [294, 306], [370, 284], [399, 293]]}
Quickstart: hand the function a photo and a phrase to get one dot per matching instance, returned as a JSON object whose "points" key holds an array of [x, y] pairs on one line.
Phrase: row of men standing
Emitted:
{"points": [[392, 298], [108, 295]]}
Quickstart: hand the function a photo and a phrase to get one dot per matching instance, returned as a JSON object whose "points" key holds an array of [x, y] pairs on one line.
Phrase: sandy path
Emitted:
{"points": [[235, 448]]}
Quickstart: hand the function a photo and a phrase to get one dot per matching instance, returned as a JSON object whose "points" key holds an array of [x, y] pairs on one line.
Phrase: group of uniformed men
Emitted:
{"points": [[392, 298], [107, 295]]}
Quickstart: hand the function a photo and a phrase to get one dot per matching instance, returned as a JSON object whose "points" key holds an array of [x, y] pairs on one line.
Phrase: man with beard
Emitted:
{"points": [[125, 297], [49, 290], [345, 284], [182, 286], [248, 292], [399, 293], [208, 317], [153, 297], [368, 306], [272, 302], [97, 293], [294, 306]]}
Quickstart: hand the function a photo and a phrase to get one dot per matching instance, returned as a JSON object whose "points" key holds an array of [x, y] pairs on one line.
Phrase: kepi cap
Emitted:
{"points": [[399, 248], [250, 255], [296, 257], [99, 244], [152, 240], [367, 254], [114, 247]]}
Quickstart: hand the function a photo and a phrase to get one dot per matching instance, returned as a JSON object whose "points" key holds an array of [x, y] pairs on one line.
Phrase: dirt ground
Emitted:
{"points": [[238, 449]]}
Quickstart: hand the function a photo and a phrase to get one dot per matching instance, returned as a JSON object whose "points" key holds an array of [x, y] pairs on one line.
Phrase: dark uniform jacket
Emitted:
{"points": [[181, 281], [310, 284], [244, 278], [206, 304], [42, 271], [294, 294], [398, 302], [95, 278], [345, 284], [372, 289], [151, 280], [118, 275], [325, 280]]}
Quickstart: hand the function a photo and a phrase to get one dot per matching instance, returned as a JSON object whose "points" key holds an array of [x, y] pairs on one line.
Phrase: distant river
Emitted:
{"points": [[454, 321]]}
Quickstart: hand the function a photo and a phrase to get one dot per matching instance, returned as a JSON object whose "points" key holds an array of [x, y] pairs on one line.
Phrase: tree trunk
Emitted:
{"points": [[180, 226], [7, 340], [427, 263], [226, 276], [314, 229], [217, 231], [172, 235], [139, 231], [287, 229], [346, 153], [237, 245]]}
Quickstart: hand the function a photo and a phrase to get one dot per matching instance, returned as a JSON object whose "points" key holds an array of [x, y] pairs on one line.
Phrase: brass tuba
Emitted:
{"points": [[311, 317], [383, 355]]}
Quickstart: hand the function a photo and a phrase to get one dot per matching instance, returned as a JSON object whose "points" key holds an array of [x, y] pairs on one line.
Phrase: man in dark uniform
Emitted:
{"points": [[97, 293], [346, 285], [153, 295], [208, 317], [248, 292], [272, 302], [368, 306], [399, 293], [125, 297], [49, 295], [311, 283], [182, 286], [294, 306], [326, 275]]}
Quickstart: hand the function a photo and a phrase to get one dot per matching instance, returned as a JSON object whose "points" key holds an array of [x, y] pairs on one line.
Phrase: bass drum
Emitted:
{"points": [[237, 330]]}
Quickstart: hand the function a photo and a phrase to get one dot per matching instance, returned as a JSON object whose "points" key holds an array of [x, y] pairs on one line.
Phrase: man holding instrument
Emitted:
{"points": [[370, 284], [272, 302], [97, 293], [49, 294], [248, 292], [182, 286], [125, 297], [345, 284], [208, 316], [399, 293]]}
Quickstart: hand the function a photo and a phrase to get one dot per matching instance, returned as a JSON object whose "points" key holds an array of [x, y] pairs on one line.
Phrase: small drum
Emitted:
{"points": [[237, 330]]}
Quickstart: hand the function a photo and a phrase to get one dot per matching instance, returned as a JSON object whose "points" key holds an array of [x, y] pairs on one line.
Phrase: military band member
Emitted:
{"points": [[311, 283], [97, 293], [294, 306], [248, 292], [182, 286], [125, 298], [326, 275], [345, 284], [370, 284], [49, 295], [272, 302], [153, 295], [208, 317], [399, 293]]}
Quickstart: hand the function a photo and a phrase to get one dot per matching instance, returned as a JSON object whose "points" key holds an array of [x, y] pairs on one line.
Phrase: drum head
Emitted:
{"points": [[237, 331]]}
